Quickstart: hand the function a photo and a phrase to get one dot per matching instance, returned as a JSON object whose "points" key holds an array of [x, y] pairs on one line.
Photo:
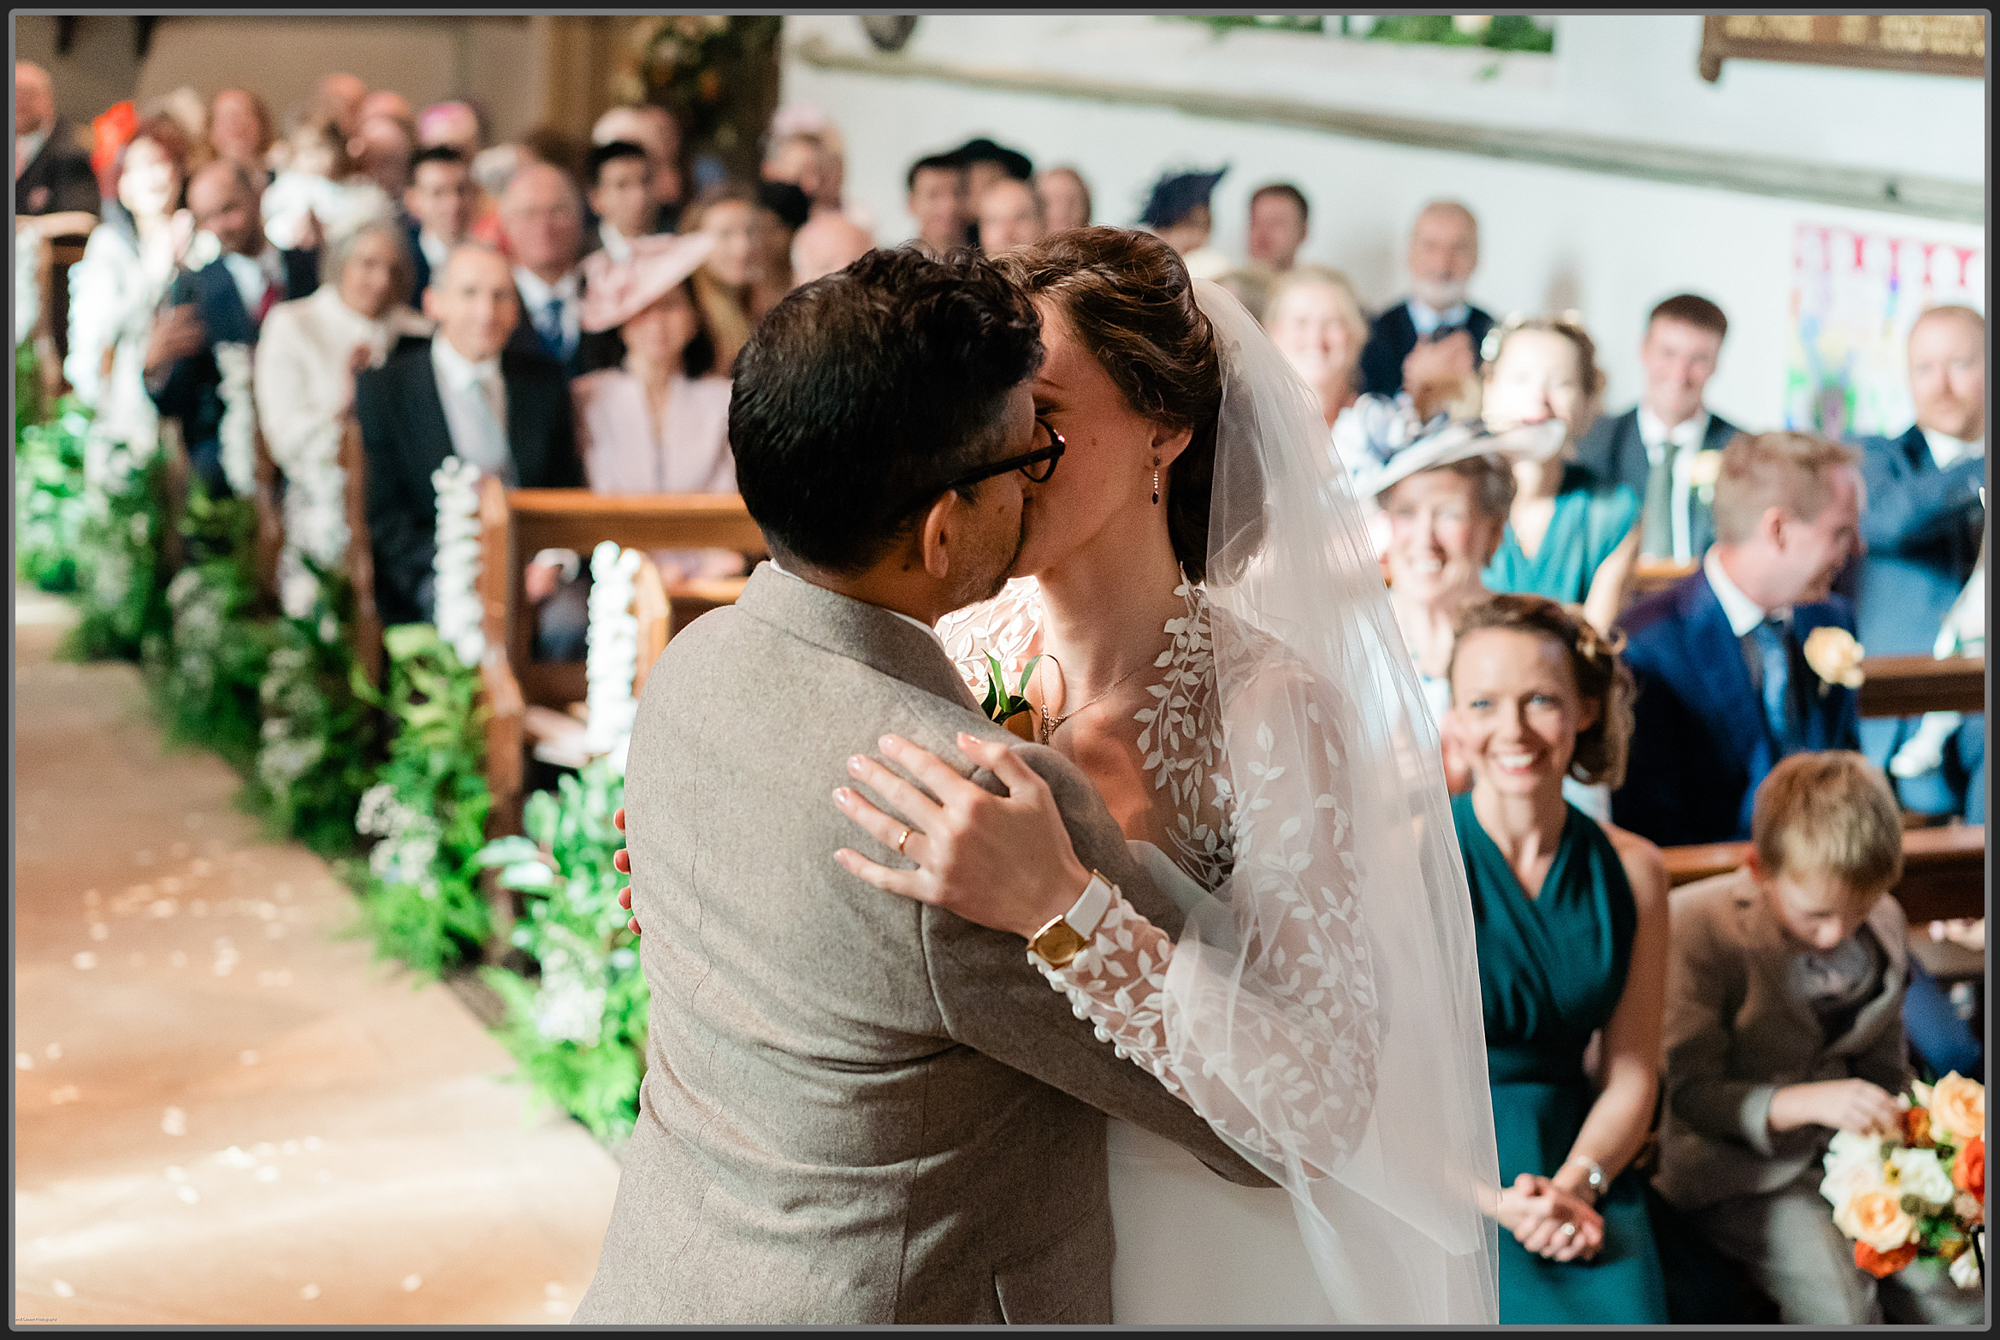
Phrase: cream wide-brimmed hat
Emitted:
{"points": [[616, 291]]}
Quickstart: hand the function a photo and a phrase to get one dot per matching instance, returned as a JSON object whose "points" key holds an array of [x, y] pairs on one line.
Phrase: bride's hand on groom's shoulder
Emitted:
{"points": [[621, 861], [1538, 1212], [1004, 862]]}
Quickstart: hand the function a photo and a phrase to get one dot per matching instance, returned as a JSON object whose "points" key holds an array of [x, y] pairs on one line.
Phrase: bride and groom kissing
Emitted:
{"points": [[904, 967]]}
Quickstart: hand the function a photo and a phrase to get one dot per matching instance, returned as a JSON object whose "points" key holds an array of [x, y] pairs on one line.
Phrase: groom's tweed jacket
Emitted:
{"points": [[857, 1108]]}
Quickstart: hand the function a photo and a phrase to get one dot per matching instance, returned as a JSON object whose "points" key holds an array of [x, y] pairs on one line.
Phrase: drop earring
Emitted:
{"points": [[1156, 483]]}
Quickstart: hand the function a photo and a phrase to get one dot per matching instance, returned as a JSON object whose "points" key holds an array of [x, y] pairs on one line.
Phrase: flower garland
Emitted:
{"points": [[459, 611], [120, 573], [316, 531], [613, 655], [238, 429]]}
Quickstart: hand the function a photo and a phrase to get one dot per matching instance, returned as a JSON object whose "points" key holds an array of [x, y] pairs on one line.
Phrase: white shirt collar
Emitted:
{"points": [[1655, 434], [1949, 451], [929, 631], [536, 294], [253, 275], [1426, 320], [460, 370], [1742, 612]]}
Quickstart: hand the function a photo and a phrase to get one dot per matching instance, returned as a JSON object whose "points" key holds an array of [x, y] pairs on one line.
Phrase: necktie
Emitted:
{"points": [[1656, 536], [552, 329], [1774, 654], [269, 301], [491, 453]]}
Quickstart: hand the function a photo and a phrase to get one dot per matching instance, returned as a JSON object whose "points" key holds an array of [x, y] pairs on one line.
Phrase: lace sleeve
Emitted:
{"points": [[1274, 1039]]}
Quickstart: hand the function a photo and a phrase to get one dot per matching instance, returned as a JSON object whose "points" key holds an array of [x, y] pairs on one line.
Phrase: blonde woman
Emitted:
{"points": [[1317, 323]]}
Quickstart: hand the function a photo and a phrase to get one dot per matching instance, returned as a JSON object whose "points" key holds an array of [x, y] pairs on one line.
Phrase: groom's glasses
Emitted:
{"points": [[1037, 465]]}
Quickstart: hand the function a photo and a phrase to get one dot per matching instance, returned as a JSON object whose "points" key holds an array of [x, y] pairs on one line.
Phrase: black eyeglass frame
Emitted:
{"points": [[1025, 463]]}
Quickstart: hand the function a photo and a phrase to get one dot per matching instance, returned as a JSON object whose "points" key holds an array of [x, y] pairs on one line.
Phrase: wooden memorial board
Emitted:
{"points": [[1953, 44]]}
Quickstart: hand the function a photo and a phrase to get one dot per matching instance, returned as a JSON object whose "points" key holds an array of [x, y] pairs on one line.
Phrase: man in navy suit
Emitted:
{"points": [[1724, 688], [1923, 526], [224, 301], [541, 218], [1444, 251], [438, 207], [1651, 448]]}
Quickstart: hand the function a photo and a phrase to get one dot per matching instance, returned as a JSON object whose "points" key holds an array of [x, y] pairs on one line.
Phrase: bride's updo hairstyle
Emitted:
{"points": [[1600, 673], [1128, 299]]}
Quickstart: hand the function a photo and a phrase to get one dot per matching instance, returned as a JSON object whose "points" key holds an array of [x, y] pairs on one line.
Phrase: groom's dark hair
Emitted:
{"points": [[862, 394]]}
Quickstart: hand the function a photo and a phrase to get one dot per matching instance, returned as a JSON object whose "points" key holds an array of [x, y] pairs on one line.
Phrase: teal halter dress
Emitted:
{"points": [[1551, 969], [1591, 519]]}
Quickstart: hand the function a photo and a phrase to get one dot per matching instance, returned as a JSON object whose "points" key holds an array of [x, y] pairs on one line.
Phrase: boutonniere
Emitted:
{"points": [[1703, 471], [1010, 709], [1835, 657]]}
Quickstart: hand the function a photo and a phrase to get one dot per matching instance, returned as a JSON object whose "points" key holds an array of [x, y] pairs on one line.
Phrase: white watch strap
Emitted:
{"points": [[1090, 906]]}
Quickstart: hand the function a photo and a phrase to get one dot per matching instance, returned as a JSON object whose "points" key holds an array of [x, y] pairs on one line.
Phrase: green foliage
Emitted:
{"points": [[428, 805], [27, 387], [207, 670], [1506, 32], [1000, 702], [1289, 23], [317, 751], [48, 492], [121, 581], [579, 1029]]}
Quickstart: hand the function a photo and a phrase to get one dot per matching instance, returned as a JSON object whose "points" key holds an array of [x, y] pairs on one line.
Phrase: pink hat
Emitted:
{"points": [[614, 292]]}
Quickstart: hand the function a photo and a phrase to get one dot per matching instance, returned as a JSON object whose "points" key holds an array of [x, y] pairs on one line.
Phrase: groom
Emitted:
{"points": [[858, 1108]]}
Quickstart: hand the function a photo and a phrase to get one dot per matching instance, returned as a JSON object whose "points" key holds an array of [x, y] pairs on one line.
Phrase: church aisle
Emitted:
{"points": [[225, 1113]]}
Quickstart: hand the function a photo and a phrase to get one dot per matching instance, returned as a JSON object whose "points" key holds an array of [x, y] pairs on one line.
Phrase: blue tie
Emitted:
{"points": [[552, 329], [1774, 651]]}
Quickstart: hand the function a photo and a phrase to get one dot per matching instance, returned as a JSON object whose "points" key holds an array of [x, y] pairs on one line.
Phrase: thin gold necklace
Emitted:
{"points": [[1050, 725]]}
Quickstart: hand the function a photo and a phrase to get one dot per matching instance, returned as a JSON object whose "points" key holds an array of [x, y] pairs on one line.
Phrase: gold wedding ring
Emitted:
{"points": [[901, 840]]}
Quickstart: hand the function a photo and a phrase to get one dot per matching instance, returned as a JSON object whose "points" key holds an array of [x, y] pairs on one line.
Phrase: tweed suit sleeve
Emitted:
{"points": [[1705, 985], [992, 1000]]}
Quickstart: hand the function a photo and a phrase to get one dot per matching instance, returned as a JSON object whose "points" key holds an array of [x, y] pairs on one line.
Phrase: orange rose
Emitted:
{"points": [[1880, 1264], [1022, 724], [1958, 1105], [1968, 1170], [1917, 1127], [1875, 1217]]}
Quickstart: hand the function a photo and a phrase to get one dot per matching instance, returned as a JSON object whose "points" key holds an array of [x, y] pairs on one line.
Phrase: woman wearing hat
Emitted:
{"points": [[659, 422]]}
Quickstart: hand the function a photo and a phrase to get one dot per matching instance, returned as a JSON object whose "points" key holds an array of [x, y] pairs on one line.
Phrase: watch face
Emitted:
{"points": [[1059, 944]]}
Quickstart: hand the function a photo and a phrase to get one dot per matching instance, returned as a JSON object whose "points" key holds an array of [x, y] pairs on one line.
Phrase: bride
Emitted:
{"points": [[1205, 633]]}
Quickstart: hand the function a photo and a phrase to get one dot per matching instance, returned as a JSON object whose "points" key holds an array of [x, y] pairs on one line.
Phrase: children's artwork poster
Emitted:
{"points": [[1854, 297]]}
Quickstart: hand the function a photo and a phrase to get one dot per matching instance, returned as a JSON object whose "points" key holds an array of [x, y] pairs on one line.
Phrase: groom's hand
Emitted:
{"points": [[621, 861], [1004, 862]]}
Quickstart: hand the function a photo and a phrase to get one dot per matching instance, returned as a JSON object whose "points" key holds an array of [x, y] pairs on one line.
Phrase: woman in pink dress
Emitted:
{"points": [[658, 423]]}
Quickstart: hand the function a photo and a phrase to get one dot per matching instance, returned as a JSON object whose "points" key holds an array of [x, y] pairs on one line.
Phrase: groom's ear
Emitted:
{"points": [[1169, 443], [937, 533]]}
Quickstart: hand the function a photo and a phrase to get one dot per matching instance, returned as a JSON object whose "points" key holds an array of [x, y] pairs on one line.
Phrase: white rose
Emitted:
{"points": [[1965, 1271], [1919, 1174], [1853, 1165]]}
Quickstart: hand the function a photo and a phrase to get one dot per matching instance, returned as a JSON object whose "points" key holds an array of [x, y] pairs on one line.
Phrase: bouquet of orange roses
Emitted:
{"points": [[1920, 1191]]}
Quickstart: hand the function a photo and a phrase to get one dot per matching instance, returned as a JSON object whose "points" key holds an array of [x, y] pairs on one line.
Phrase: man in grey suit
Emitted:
{"points": [[858, 1108], [1652, 448]]}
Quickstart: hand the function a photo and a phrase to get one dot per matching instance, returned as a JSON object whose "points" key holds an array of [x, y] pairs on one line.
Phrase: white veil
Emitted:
{"points": [[1389, 1200]]}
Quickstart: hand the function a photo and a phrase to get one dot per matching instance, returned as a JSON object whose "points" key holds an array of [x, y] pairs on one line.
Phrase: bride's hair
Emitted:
{"points": [[1128, 298]]}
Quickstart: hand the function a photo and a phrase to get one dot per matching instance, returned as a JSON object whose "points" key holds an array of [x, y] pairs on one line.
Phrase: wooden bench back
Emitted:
{"points": [[360, 562], [1944, 870]]}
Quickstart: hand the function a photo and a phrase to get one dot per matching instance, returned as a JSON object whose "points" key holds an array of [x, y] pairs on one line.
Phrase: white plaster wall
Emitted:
{"points": [[1552, 238]]}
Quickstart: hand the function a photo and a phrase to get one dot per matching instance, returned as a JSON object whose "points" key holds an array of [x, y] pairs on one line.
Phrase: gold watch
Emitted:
{"points": [[1064, 937]]}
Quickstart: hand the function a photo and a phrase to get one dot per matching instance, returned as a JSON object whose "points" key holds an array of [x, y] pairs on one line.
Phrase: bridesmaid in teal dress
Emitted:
{"points": [[1571, 924], [1570, 536]]}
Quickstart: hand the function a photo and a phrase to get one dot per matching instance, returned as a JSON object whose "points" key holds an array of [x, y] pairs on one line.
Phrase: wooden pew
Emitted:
{"points": [[515, 524], [1907, 686], [1650, 576], [360, 562], [1944, 870]]}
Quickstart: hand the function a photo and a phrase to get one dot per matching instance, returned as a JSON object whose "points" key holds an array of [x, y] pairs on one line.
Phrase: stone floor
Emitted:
{"points": [[225, 1113]]}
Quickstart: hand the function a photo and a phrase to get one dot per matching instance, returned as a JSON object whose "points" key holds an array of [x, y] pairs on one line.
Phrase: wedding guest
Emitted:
{"points": [[1317, 323], [1065, 198], [322, 189], [338, 98], [727, 212], [659, 423], [621, 196], [240, 128], [782, 209], [801, 158], [438, 209], [827, 242], [389, 103], [1725, 689], [1444, 251], [1010, 215], [452, 125], [1277, 225], [653, 129], [115, 290], [1571, 924], [51, 174], [1783, 1025], [541, 220], [224, 301], [937, 201], [986, 163], [1177, 212], [467, 393], [1653, 448], [383, 150], [1923, 526], [1571, 537]]}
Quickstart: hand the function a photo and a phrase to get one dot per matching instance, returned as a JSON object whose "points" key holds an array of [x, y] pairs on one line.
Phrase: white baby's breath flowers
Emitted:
{"points": [[315, 514], [459, 613], [613, 655], [238, 429]]}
